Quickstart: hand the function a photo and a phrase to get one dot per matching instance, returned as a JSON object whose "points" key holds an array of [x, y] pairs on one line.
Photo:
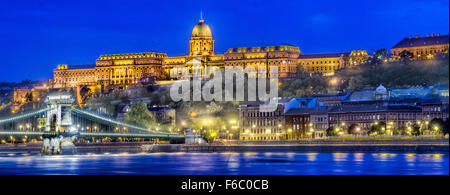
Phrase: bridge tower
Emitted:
{"points": [[59, 116], [59, 124]]}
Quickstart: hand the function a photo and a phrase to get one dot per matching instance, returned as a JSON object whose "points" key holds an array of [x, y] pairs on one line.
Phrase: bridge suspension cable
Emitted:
{"points": [[26, 115], [116, 122]]}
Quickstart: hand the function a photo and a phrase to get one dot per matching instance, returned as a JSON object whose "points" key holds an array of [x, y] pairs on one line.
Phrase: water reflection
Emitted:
{"points": [[311, 156], [410, 157], [340, 156], [290, 154], [249, 163], [359, 157]]}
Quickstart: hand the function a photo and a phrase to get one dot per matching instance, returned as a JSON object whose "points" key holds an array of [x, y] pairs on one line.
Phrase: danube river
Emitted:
{"points": [[247, 163]]}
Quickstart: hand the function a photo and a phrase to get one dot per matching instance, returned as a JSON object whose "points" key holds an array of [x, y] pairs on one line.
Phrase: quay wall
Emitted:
{"points": [[438, 145]]}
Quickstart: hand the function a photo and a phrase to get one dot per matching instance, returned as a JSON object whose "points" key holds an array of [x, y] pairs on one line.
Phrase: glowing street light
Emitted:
{"points": [[334, 81]]}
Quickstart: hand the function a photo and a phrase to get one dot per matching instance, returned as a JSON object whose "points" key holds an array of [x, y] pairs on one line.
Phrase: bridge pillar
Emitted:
{"points": [[59, 132], [61, 143], [59, 116]]}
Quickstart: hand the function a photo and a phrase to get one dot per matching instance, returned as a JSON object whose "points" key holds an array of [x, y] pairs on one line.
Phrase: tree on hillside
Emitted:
{"points": [[28, 97], [356, 82], [85, 93], [301, 73], [213, 108], [164, 75], [139, 114], [379, 56], [406, 56]]}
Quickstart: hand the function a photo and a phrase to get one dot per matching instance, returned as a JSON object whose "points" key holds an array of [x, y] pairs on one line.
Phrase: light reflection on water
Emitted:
{"points": [[247, 163]]}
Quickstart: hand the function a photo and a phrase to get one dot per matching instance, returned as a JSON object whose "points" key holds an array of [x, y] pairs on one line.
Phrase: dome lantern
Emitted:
{"points": [[201, 29]]}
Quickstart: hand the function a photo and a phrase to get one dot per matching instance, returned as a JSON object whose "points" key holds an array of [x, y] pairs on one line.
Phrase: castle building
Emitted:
{"points": [[284, 57], [121, 69], [328, 63], [422, 48], [124, 70]]}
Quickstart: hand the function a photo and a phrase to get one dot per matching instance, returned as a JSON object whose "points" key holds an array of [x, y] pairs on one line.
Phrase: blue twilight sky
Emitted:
{"points": [[37, 35]]}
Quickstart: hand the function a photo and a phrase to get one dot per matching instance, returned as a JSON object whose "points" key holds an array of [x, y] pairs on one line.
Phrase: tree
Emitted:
{"points": [[213, 108], [139, 114], [406, 56], [301, 73], [85, 93], [446, 126], [379, 56], [353, 129], [164, 75], [416, 130], [437, 124], [378, 129], [356, 83], [331, 131], [28, 97]]}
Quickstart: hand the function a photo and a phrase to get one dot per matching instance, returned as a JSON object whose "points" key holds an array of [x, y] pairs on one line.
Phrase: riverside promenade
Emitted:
{"points": [[353, 144], [350, 144]]}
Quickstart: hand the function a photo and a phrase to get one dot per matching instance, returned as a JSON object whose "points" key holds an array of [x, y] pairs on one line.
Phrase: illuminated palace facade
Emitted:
{"points": [[422, 48], [129, 69]]}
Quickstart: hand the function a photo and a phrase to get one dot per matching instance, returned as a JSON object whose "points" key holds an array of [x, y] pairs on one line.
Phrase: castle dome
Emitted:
{"points": [[201, 29], [381, 90]]}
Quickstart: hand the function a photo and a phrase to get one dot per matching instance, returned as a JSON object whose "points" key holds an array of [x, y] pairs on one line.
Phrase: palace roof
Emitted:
{"points": [[374, 108], [322, 55], [76, 67], [299, 111], [422, 41]]}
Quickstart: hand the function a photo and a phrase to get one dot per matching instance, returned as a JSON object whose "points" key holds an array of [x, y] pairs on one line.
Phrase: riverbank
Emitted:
{"points": [[332, 145]]}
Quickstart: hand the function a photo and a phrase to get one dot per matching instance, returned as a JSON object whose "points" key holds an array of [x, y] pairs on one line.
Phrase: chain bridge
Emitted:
{"points": [[60, 122]]}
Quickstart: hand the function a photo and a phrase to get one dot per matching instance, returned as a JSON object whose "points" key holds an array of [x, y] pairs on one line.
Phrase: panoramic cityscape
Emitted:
{"points": [[368, 107]]}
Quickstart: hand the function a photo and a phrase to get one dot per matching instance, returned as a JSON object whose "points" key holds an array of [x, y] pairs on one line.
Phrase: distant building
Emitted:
{"points": [[261, 126], [365, 116], [304, 118], [422, 47], [328, 63], [330, 100], [22, 96]]}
